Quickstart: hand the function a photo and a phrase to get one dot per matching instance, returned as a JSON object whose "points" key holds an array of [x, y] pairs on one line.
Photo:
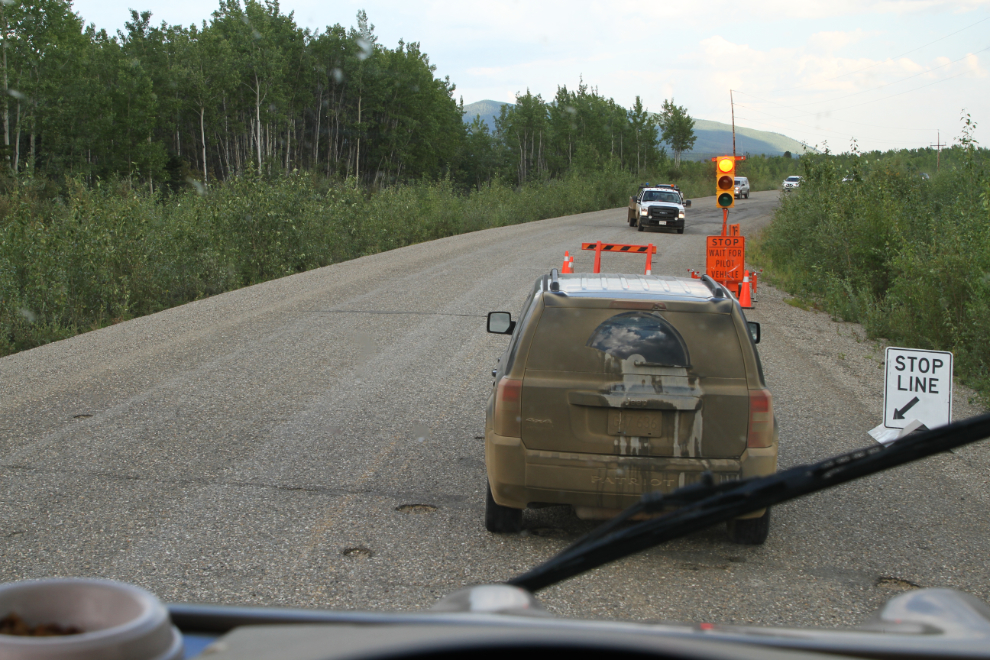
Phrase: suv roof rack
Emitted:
{"points": [[718, 291], [551, 282]]}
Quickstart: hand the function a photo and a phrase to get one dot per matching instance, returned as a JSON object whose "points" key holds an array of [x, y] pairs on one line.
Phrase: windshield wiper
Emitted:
{"points": [[705, 504]]}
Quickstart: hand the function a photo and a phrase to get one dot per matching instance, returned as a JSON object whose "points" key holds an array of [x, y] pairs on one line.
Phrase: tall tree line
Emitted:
{"points": [[578, 130], [251, 91]]}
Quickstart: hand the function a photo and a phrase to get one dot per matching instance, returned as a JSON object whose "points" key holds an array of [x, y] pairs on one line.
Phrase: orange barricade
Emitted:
{"points": [[649, 250]]}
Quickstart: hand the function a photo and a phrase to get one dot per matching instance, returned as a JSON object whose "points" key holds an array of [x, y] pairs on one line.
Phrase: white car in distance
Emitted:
{"points": [[742, 187], [791, 183]]}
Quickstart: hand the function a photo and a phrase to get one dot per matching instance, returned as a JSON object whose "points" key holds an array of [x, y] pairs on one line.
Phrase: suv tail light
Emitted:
{"points": [[507, 409], [760, 419]]}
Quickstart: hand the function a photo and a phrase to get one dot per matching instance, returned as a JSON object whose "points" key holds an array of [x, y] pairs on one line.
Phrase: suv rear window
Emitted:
{"points": [[578, 339], [644, 334]]}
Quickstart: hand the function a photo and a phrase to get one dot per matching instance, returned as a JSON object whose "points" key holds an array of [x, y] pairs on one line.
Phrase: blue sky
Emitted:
{"points": [[889, 73]]}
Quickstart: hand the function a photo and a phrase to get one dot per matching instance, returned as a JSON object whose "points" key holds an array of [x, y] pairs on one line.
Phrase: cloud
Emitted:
{"points": [[808, 91], [830, 42], [972, 64]]}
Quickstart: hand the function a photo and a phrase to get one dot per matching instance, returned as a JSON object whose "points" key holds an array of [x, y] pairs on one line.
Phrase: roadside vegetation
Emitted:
{"points": [[905, 255], [84, 257]]}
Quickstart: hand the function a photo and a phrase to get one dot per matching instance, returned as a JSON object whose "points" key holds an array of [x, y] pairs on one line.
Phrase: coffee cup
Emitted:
{"points": [[113, 620]]}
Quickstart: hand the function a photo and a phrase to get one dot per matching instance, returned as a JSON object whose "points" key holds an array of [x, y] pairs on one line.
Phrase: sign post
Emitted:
{"points": [[917, 391]]}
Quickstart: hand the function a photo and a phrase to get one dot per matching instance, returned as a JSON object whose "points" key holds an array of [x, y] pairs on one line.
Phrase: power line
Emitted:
{"points": [[847, 121], [883, 98], [894, 82], [813, 128], [938, 146], [802, 108], [865, 68]]}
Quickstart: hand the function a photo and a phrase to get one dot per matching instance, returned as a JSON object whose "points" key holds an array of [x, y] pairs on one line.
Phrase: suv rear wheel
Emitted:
{"points": [[751, 531], [501, 519]]}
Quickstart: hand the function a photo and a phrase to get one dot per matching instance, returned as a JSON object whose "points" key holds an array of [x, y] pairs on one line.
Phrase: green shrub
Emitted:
{"points": [[909, 258], [82, 258]]}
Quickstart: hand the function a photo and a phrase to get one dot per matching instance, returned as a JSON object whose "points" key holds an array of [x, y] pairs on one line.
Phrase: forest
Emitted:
{"points": [[167, 105], [166, 163]]}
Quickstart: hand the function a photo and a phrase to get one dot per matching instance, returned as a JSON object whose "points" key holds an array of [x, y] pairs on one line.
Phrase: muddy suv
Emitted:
{"points": [[615, 385]]}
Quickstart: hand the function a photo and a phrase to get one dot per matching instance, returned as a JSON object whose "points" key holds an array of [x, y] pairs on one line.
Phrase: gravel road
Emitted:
{"points": [[315, 441]]}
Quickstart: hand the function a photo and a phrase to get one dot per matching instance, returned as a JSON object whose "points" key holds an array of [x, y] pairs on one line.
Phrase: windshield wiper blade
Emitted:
{"points": [[705, 504]]}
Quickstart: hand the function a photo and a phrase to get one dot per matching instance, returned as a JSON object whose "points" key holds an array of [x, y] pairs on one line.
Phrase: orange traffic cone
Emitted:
{"points": [[566, 268], [745, 295]]}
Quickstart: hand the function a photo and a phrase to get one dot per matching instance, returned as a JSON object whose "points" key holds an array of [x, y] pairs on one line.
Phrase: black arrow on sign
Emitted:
{"points": [[899, 414]]}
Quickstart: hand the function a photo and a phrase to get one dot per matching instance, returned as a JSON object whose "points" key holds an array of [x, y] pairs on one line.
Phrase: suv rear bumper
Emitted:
{"points": [[520, 477]]}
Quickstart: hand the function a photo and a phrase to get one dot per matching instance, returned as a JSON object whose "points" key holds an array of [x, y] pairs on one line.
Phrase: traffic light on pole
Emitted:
{"points": [[725, 181]]}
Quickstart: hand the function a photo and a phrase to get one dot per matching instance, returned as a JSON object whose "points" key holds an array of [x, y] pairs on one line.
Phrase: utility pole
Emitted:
{"points": [[938, 150], [733, 104]]}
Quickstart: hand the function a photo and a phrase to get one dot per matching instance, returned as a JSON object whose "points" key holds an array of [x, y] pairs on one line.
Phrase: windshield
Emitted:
{"points": [[660, 196], [247, 251]]}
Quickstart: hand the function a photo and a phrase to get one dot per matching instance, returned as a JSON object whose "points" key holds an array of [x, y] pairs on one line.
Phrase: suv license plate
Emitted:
{"points": [[643, 423], [661, 222]]}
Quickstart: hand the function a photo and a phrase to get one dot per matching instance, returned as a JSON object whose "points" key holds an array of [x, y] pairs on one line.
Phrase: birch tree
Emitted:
{"points": [[677, 129]]}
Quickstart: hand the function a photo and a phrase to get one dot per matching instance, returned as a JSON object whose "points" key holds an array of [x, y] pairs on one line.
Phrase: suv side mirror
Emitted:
{"points": [[754, 331], [500, 323], [687, 203]]}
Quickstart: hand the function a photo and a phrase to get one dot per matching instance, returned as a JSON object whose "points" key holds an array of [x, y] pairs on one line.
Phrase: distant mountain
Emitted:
{"points": [[488, 110], [714, 138]]}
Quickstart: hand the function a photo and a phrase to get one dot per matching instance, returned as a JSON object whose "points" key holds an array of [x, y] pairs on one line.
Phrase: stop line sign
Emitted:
{"points": [[918, 386]]}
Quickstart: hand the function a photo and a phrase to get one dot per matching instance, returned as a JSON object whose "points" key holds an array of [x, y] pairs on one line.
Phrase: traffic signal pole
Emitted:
{"points": [[725, 258], [733, 104]]}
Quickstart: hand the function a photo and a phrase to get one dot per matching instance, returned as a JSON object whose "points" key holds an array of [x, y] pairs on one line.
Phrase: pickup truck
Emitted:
{"points": [[658, 206]]}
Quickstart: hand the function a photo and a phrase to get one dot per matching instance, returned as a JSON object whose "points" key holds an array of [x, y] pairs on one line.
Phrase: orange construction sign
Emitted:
{"points": [[725, 259]]}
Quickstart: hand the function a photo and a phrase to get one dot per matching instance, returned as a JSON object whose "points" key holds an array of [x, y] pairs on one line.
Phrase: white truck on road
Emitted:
{"points": [[658, 206]]}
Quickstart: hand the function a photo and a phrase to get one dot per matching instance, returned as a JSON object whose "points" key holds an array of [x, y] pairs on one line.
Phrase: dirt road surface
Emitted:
{"points": [[315, 441]]}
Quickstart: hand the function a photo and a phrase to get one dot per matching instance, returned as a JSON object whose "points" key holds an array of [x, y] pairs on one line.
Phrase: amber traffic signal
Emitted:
{"points": [[725, 181]]}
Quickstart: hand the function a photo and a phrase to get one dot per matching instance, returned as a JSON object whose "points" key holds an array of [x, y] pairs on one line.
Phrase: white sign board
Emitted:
{"points": [[918, 386]]}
